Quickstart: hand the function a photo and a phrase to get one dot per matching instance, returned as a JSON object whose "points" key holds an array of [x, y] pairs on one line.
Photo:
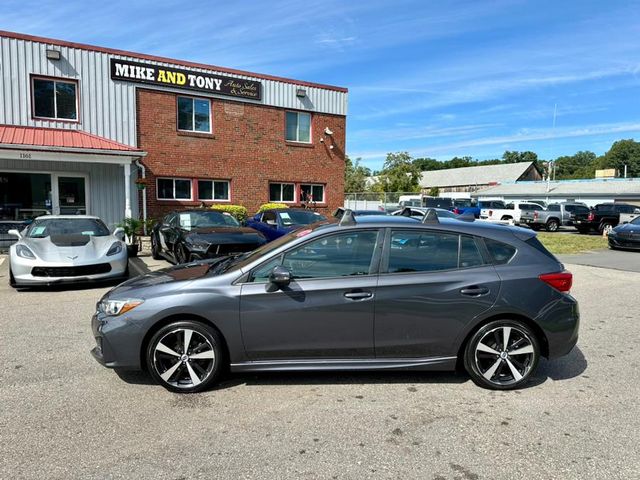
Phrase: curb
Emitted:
{"points": [[137, 267]]}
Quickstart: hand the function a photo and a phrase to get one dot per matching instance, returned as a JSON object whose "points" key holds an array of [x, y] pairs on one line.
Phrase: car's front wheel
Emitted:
{"points": [[185, 356], [155, 248], [502, 355], [12, 279]]}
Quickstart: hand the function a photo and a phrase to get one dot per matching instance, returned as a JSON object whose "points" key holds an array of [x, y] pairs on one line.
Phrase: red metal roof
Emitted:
{"points": [[58, 138]]}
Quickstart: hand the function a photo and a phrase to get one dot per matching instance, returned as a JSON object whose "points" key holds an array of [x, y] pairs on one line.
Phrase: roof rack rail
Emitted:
{"points": [[348, 218], [430, 217]]}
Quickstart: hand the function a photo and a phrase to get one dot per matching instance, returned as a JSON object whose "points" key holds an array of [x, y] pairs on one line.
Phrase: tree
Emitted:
{"points": [[434, 192], [428, 164], [578, 165], [399, 174], [621, 153], [355, 176], [516, 157]]}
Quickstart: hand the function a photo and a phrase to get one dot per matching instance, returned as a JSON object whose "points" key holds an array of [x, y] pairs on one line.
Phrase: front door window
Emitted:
{"points": [[72, 196]]}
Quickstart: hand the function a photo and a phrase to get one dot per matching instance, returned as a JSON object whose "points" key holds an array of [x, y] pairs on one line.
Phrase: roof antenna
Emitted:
{"points": [[348, 218], [430, 217]]}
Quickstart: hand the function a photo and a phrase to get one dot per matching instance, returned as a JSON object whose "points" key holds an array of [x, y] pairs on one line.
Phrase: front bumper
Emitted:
{"points": [[23, 271], [617, 241], [118, 341]]}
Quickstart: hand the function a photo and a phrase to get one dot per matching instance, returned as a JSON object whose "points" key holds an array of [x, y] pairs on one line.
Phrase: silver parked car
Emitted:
{"points": [[66, 248]]}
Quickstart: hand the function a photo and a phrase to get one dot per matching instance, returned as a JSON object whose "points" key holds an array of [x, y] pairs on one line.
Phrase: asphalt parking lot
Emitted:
{"points": [[64, 416]]}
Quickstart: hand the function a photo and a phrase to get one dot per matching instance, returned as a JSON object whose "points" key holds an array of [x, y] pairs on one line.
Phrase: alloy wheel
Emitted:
{"points": [[505, 355], [184, 358]]}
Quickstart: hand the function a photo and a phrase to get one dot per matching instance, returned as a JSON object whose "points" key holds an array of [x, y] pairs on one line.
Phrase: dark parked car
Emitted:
{"points": [[280, 221], [197, 234], [383, 292], [625, 236], [603, 216]]}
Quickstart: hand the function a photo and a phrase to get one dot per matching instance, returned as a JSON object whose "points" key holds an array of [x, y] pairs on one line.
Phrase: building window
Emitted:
{"points": [[312, 193], [174, 189], [298, 126], [213, 190], [282, 192], [194, 115], [56, 99]]}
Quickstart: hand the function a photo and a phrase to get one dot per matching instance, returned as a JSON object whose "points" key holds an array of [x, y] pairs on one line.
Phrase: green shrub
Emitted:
{"points": [[238, 211], [269, 206]]}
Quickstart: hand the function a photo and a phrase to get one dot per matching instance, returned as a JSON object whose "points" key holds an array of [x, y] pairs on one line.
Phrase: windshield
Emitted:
{"points": [[67, 226], [300, 217], [635, 221], [189, 220]]}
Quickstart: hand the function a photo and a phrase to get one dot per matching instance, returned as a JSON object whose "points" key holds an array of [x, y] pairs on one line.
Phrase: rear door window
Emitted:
{"points": [[425, 251]]}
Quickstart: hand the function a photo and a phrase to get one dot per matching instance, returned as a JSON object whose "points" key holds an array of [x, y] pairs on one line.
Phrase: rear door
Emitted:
{"points": [[432, 283], [326, 311]]}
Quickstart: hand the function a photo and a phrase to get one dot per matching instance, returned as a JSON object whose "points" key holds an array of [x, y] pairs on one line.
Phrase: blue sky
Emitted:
{"points": [[434, 78]]}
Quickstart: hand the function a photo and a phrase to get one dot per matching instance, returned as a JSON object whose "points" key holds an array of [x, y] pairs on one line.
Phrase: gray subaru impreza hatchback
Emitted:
{"points": [[370, 293]]}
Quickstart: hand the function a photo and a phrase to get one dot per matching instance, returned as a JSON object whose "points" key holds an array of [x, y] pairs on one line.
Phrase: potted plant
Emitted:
{"points": [[132, 229], [141, 183]]}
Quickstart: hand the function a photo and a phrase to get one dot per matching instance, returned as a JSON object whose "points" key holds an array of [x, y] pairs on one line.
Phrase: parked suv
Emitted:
{"points": [[512, 212], [555, 215], [366, 293], [603, 216]]}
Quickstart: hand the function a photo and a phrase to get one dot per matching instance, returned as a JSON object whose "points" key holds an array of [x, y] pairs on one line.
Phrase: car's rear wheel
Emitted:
{"points": [[185, 356], [552, 225], [605, 227], [155, 248], [502, 355], [535, 227]]}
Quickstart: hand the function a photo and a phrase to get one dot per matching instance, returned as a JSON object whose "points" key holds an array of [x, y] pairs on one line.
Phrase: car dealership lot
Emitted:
{"points": [[64, 416]]}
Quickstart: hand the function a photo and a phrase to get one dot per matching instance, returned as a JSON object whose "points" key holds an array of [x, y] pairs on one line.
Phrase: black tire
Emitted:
{"points": [[493, 370], [12, 279], [552, 225], [181, 368], [155, 248], [181, 255], [535, 227], [604, 226]]}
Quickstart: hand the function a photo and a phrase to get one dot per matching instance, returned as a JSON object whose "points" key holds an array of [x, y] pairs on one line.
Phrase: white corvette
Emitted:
{"points": [[66, 248]]}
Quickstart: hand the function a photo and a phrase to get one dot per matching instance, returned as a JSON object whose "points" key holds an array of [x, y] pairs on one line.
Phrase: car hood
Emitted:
{"points": [[222, 235], [628, 228], [69, 248], [162, 281]]}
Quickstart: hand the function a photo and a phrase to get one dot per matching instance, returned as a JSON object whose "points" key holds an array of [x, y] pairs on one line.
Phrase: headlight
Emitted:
{"points": [[118, 307], [24, 252], [114, 249], [197, 243]]}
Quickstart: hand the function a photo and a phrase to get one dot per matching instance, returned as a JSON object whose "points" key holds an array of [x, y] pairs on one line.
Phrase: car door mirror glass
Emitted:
{"points": [[280, 276]]}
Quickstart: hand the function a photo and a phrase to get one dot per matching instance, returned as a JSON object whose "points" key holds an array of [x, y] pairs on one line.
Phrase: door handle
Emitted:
{"points": [[358, 295], [474, 291]]}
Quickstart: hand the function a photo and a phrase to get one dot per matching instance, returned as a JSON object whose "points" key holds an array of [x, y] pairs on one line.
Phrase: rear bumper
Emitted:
{"points": [[561, 326]]}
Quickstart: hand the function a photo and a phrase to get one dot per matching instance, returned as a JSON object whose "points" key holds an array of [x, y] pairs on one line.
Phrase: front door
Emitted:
{"points": [[72, 195], [326, 311], [432, 283]]}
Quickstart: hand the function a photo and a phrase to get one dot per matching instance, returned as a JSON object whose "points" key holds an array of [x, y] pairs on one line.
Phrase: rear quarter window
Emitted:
{"points": [[499, 252], [535, 243]]}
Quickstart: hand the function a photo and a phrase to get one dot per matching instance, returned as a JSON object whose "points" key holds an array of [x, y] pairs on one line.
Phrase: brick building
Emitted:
{"points": [[83, 128]]}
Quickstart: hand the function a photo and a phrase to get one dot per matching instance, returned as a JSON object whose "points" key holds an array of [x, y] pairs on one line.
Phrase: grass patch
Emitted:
{"points": [[571, 243]]}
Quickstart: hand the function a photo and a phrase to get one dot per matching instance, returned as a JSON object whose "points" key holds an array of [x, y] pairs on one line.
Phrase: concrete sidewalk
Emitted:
{"points": [[144, 263]]}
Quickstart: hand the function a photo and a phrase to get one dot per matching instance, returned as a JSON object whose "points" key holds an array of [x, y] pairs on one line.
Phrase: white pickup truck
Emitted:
{"points": [[627, 217], [511, 212]]}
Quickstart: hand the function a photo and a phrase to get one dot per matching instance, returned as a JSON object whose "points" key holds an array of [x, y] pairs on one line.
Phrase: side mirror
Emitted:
{"points": [[280, 276], [272, 223], [636, 210], [15, 233], [119, 233]]}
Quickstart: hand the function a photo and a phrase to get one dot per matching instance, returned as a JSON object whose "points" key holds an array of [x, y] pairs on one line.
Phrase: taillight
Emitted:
{"points": [[591, 217], [456, 211], [535, 215], [490, 213], [561, 281]]}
